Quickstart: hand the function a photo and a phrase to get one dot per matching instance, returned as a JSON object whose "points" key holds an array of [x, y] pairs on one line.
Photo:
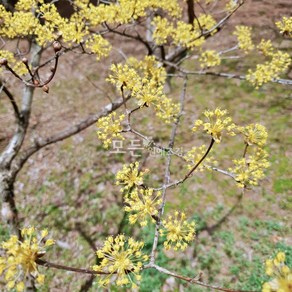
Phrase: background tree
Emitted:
{"points": [[179, 40]]}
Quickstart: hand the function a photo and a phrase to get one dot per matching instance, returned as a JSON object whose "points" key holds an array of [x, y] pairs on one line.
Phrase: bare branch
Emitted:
{"points": [[16, 141], [70, 131], [191, 280], [218, 74], [66, 268], [167, 172], [12, 100]]}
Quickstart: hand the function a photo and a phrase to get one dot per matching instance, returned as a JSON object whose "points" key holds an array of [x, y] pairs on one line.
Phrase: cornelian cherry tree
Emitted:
{"points": [[169, 35]]}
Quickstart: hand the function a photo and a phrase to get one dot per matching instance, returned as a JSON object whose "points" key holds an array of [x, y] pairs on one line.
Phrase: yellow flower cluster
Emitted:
{"points": [[27, 5], [17, 66], [266, 47], [182, 33], [285, 26], [109, 128], [249, 170], [130, 176], [23, 22], [19, 259], [231, 5], [17, 24], [210, 58], [195, 154], [282, 274], [144, 204], [178, 231], [98, 45], [144, 80], [269, 70], [243, 34], [217, 122], [254, 134], [121, 258]]}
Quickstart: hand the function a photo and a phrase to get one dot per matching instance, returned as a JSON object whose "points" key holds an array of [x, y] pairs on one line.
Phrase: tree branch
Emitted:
{"points": [[167, 172], [70, 131], [17, 139], [12, 100], [191, 280]]}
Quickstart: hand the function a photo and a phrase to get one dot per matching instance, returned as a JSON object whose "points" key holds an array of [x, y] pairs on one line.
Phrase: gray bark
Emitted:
{"points": [[9, 211]]}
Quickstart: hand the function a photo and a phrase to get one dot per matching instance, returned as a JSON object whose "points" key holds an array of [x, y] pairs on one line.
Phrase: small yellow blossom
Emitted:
{"points": [[124, 75], [130, 176], [249, 170], [210, 58], [109, 128], [217, 122], [144, 203], [19, 258], [163, 30], [194, 156], [98, 45], [281, 273], [269, 70], [207, 22], [144, 80], [243, 34], [16, 65], [254, 134], [27, 5], [231, 5], [40, 279], [182, 33], [178, 231], [285, 26], [122, 259], [20, 287], [266, 47], [185, 35]]}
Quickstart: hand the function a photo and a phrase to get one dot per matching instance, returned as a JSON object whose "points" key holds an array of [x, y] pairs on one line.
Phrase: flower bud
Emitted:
{"points": [[3, 62], [36, 82], [45, 88], [24, 60], [57, 46]]}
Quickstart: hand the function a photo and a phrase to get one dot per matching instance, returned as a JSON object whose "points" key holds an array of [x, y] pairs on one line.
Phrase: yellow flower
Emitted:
{"points": [[144, 204], [249, 170], [178, 231], [266, 47], [210, 58], [231, 5], [269, 70], [144, 80], [19, 259], [255, 134], [285, 26], [130, 176], [16, 65], [282, 276], [243, 34], [122, 258], [217, 122], [98, 45], [109, 128], [195, 154]]}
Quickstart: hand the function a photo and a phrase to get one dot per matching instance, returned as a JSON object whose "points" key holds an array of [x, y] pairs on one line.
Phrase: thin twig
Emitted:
{"points": [[66, 268], [12, 100], [167, 172], [200, 161], [192, 280]]}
